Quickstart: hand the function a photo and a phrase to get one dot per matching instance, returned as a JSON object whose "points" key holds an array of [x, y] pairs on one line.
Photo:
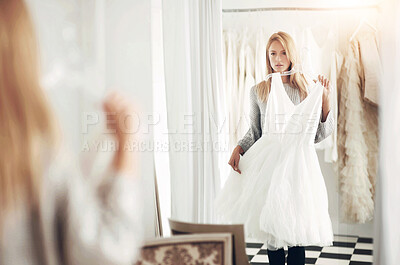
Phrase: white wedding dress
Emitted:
{"points": [[281, 196]]}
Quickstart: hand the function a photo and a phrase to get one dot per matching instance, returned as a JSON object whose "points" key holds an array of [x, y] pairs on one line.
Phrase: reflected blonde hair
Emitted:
{"points": [[296, 80], [26, 122]]}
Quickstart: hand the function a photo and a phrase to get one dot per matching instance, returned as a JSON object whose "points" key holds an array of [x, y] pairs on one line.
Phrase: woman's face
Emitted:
{"points": [[277, 57]]}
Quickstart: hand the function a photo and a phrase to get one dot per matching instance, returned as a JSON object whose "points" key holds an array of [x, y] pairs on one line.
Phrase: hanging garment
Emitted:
{"points": [[241, 126], [331, 154], [261, 56], [231, 88], [281, 196], [357, 142], [315, 60], [315, 54], [329, 145], [372, 66], [248, 83]]}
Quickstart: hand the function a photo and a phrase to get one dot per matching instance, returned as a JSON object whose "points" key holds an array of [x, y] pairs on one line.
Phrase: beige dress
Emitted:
{"points": [[357, 141]]}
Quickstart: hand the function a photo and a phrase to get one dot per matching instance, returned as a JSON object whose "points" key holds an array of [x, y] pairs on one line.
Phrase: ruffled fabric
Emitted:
{"points": [[357, 142], [277, 204]]}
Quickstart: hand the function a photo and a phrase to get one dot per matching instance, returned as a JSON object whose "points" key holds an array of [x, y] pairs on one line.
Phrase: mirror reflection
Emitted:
{"points": [[303, 123]]}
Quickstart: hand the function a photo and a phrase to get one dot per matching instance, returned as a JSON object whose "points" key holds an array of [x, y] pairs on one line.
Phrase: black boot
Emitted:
{"points": [[296, 256], [276, 257]]}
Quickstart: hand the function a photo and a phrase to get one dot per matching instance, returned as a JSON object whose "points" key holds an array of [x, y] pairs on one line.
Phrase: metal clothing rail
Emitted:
{"points": [[299, 9]]}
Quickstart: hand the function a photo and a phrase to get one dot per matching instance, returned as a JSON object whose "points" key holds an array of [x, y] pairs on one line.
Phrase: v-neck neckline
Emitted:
{"points": [[280, 84]]}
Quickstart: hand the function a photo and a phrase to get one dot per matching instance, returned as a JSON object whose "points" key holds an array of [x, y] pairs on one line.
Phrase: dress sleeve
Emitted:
{"points": [[325, 128], [255, 131], [103, 220]]}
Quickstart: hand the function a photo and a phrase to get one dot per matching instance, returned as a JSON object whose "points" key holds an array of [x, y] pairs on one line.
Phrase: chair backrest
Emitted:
{"points": [[236, 230], [213, 249]]}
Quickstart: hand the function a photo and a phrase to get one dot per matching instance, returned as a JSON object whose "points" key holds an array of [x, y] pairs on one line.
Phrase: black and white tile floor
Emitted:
{"points": [[346, 250]]}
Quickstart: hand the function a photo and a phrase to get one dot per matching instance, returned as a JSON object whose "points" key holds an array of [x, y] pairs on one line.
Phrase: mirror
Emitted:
{"points": [[285, 192]]}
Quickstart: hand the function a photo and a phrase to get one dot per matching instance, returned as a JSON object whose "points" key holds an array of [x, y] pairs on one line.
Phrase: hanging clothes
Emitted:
{"points": [[315, 59], [372, 65], [239, 78], [357, 141], [231, 88], [247, 83], [329, 145], [314, 52], [281, 196], [261, 55], [331, 153], [241, 126], [370, 77]]}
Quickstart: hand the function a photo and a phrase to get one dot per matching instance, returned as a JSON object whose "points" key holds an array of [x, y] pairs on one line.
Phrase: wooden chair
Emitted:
{"points": [[237, 231], [213, 249]]}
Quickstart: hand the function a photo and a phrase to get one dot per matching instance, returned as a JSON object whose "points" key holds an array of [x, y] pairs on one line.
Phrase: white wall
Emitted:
{"points": [[347, 21], [339, 227]]}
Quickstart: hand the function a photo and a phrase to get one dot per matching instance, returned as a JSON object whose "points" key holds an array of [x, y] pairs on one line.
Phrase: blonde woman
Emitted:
{"points": [[242, 198], [49, 213]]}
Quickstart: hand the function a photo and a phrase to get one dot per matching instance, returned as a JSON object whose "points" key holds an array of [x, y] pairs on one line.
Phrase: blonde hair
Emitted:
{"points": [[26, 122], [296, 80]]}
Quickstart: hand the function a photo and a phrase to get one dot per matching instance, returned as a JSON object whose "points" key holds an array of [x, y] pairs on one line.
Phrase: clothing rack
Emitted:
{"points": [[299, 9]]}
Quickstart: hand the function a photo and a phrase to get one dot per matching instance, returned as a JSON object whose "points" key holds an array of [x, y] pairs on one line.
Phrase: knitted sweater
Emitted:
{"points": [[257, 114]]}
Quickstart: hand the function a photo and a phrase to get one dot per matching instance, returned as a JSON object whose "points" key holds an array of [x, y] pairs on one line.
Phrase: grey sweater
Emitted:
{"points": [[257, 114]]}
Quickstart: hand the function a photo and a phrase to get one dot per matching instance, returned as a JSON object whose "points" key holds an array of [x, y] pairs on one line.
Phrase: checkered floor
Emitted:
{"points": [[346, 250]]}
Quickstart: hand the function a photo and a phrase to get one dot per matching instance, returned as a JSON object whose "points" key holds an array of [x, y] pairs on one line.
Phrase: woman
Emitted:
{"points": [[49, 213], [233, 200], [295, 87]]}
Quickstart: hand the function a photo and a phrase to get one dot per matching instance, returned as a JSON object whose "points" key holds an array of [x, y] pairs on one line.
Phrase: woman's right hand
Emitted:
{"points": [[235, 157]]}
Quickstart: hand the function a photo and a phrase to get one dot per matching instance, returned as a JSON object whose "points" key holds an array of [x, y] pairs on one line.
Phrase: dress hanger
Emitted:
{"points": [[294, 70]]}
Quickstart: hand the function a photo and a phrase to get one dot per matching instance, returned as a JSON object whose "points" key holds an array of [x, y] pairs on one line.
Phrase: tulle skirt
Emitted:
{"points": [[280, 197]]}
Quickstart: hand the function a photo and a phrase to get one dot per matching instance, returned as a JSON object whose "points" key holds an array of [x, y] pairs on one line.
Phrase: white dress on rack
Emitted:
{"points": [[260, 66], [246, 82], [231, 85], [281, 196], [241, 125], [320, 58]]}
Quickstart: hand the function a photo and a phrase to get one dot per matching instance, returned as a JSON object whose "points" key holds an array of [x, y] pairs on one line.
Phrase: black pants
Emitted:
{"points": [[296, 256]]}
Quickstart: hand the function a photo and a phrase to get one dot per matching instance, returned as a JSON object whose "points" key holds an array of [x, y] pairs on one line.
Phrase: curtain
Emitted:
{"points": [[193, 82]]}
